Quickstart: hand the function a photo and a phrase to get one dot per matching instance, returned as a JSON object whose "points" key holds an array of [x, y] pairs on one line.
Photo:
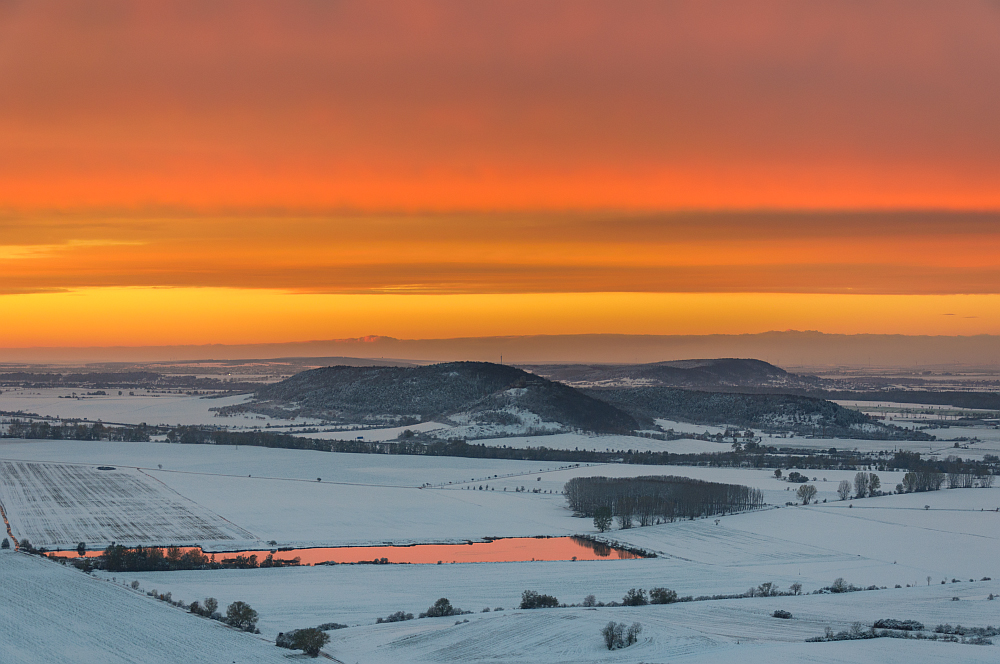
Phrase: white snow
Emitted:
{"points": [[55, 615]]}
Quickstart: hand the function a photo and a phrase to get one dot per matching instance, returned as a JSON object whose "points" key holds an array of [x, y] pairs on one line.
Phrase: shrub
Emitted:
{"points": [[635, 598], [331, 625], [398, 616], [310, 640], [782, 614], [441, 608], [533, 600], [662, 596]]}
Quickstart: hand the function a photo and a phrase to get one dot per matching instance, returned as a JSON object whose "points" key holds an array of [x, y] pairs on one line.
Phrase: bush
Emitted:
{"points": [[398, 616], [533, 600], [441, 608], [662, 596], [331, 625], [635, 598], [240, 615], [618, 635], [782, 614]]}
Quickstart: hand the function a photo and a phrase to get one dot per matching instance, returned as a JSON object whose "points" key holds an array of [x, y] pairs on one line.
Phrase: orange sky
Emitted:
{"points": [[453, 168]]}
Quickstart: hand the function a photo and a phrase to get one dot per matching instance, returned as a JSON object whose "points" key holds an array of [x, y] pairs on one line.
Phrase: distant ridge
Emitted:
{"points": [[783, 349], [703, 374]]}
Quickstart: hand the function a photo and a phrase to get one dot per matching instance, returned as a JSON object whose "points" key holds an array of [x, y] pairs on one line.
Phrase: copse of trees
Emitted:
{"points": [[654, 498], [534, 600], [922, 480]]}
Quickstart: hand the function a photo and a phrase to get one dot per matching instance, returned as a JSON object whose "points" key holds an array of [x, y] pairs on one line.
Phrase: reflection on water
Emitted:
{"points": [[604, 550], [510, 549]]}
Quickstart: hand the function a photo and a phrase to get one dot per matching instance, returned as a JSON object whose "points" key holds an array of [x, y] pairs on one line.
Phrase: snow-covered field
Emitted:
{"points": [[721, 631], [608, 443], [144, 407], [307, 498], [58, 505], [55, 615]]}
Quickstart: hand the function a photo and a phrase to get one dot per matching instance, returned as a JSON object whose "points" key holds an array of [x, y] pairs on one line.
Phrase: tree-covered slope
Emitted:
{"points": [[778, 412], [404, 394]]}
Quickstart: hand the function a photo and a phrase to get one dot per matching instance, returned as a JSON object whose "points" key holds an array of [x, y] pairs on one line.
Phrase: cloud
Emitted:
{"points": [[451, 105]]}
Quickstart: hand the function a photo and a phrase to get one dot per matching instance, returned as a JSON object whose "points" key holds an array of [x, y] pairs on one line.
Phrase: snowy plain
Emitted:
{"points": [[58, 615], [306, 498]]}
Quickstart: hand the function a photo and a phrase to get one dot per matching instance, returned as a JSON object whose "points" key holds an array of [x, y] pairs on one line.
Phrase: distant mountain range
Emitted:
{"points": [[787, 349]]}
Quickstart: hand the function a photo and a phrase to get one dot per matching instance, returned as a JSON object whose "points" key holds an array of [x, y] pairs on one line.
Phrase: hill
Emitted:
{"points": [[704, 374], [772, 412], [463, 392]]}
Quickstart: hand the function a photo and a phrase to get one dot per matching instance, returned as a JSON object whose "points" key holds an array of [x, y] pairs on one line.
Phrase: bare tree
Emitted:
{"points": [[861, 485], [602, 518], [806, 493], [844, 490], [874, 484]]}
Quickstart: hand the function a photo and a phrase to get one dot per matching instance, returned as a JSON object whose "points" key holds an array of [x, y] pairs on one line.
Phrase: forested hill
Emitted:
{"points": [[402, 394], [770, 412], [698, 374]]}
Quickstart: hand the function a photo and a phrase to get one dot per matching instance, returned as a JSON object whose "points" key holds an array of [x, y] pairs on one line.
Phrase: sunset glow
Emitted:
{"points": [[176, 173]]}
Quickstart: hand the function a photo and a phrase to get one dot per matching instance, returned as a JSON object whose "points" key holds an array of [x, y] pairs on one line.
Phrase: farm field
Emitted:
{"points": [[608, 442], [144, 407], [378, 499], [56, 615], [728, 630], [60, 505], [881, 544], [717, 630]]}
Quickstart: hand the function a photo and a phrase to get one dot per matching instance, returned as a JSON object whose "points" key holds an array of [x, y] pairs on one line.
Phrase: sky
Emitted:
{"points": [[248, 172]]}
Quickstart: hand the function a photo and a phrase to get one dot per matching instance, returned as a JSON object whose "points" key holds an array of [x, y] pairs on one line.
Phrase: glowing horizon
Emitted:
{"points": [[429, 170]]}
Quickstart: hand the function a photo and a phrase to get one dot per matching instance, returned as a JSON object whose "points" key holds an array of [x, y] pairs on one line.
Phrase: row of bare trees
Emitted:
{"points": [[656, 498]]}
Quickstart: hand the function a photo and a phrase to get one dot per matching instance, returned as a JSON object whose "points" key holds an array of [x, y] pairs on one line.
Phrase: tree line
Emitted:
{"points": [[77, 431], [651, 499], [118, 558], [752, 456]]}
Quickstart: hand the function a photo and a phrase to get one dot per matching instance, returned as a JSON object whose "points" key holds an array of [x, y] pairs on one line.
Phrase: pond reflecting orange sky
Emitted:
{"points": [[513, 549]]}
